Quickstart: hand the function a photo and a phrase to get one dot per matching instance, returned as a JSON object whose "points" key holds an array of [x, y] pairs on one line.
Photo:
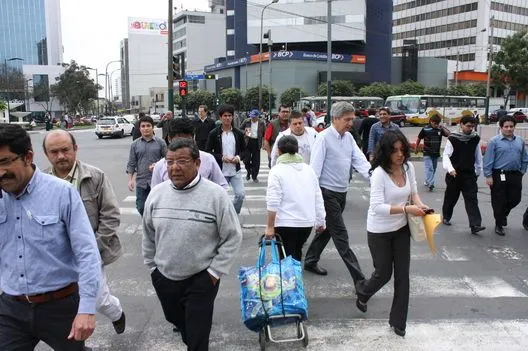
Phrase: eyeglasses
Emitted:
{"points": [[179, 163], [6, 162]]}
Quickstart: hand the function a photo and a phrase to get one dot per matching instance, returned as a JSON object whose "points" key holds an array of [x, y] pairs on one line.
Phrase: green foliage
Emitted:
{"points": [[409, 87], [510, 68], [3, 105], [467, 89], [436, 91], [200, 97], [291, 96], [75, 89], [232, 96], [339, 88], [251, 99], [377, 89]]}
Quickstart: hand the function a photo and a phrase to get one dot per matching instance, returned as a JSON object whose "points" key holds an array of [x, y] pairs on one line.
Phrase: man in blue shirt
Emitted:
{"points": [[334, 155], [379, 128], [505, 162], [50, 262]]}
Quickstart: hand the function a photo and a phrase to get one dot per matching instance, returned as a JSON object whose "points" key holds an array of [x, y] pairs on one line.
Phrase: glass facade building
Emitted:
{"points": [[23, 31]]}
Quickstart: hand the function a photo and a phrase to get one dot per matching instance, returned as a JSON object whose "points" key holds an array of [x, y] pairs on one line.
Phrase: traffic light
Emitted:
{"points": [[176, 72], [210, 76], [182, 87]]}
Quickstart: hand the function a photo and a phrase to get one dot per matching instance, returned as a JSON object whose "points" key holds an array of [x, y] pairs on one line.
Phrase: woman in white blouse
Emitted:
{"points": [[392, 184], [293, 198]]}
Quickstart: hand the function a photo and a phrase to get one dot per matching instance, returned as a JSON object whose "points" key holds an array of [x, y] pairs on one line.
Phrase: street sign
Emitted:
{"points": [[194, 76]]}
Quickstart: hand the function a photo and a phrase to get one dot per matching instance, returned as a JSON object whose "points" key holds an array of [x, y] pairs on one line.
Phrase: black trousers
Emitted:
{"points": [[467, 184], [505, 195], [252, 161], [24, 325], [334, 204], [293, 240], [388, 250], [189, 305]]}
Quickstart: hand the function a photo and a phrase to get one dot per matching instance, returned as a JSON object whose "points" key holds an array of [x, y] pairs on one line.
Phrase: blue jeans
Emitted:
{"points": [[238, 189], [430, 163], [141, 197]]}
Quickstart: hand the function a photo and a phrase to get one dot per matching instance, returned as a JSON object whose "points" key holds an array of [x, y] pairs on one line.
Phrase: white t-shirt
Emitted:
{"points": [[305, 141], [384, 193]]}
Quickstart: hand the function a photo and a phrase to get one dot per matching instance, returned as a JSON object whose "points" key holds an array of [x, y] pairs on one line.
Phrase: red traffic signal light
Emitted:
{"points": [[183, 85]]}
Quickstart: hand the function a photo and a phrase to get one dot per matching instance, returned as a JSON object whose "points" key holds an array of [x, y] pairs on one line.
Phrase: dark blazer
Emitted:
{"points": [[214, 145], [202, 130], [261, 129]]}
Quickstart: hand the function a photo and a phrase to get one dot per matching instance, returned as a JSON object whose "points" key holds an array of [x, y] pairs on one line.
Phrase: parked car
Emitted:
{"points": [[398, 118], [156, 118], [113, 127], [519, 116]]}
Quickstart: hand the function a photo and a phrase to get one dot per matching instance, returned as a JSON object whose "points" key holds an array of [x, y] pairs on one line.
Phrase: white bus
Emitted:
{"points": [[418, 108], [318, 103]]}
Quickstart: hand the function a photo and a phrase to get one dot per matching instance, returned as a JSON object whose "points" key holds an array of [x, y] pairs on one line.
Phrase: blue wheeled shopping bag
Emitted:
{"points": [[271, 289]]}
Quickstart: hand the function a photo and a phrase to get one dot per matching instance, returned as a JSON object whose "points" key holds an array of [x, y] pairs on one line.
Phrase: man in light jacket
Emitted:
{"points": [[305, 137], [101, 205]]}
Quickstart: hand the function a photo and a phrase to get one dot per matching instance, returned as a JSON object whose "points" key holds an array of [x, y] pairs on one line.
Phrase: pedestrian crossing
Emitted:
{"points": [[471, 295]]}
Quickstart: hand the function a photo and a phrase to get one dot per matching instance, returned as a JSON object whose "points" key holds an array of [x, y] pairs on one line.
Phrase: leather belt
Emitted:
{"points": [[49, 296]]}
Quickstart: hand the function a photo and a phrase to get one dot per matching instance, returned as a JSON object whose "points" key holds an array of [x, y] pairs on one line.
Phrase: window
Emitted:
{"points": [[196, 19], [41, 87]]}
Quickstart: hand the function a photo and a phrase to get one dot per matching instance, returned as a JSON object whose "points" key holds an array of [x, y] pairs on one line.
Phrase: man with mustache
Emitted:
{"points": [[50, 264], [101, 205]]}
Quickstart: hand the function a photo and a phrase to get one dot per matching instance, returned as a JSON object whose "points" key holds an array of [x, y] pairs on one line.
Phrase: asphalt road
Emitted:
{"points": [[472, 295]]}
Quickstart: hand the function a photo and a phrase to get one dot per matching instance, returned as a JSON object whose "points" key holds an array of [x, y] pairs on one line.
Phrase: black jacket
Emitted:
{"points": [[202, 130], [214, 145]]}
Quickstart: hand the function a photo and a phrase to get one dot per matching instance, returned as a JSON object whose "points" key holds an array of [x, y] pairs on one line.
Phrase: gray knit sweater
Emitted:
{"points": [[188, 231]]}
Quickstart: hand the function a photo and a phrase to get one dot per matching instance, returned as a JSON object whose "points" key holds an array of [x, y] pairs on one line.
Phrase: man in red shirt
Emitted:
{"points": [[274, 128]]}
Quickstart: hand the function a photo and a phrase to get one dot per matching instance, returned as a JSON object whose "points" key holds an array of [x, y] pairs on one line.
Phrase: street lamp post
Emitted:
{"points": [[28, 109], [6, 60], [97, 84], [270, 45], [111, 94], [490, 63], [106, 83], [260, 50]]}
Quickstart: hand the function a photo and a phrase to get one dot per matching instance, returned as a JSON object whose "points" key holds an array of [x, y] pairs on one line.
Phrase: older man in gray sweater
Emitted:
{"points": [[191, 236]]}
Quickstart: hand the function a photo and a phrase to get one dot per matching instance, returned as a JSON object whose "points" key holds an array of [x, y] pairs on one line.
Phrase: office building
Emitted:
{"points": [[144, 61], [361, 43], [199, 38], [459, 30], [30, 49]]}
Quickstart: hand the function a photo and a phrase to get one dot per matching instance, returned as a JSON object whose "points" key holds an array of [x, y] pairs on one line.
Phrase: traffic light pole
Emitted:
{"points": [[170, 74]]}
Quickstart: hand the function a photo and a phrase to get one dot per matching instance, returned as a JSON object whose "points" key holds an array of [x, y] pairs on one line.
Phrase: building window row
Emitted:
{"points": [[180, 33], [324, 19], [461, 58], [517, 10], [179, 44], [196, 19], [516, 27], [435, 30], [413, 4], [441, 44], [426, 16]]}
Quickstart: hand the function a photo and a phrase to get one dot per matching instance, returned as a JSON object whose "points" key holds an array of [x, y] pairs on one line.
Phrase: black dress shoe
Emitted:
{"points": [[446, 222], [362, 306], [477, 228], [315, 269], [499, 230], [248, 177], [120, 324], [398, 331]]}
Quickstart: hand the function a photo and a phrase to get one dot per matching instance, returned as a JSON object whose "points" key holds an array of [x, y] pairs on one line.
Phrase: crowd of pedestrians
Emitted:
{"points": [[191, 228]]}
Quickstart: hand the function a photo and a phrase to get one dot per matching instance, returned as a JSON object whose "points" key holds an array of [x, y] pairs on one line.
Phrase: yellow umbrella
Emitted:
{"points": [[431, 221]]}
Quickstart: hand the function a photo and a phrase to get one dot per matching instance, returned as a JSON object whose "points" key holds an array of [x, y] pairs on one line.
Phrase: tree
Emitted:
{"points": [[12, 80], [232, 96], [409, 87], [3, 105], [377, 89], [200, 97], [510, 69], [251, 99], [436, 91], [75, 89], [339, 88], [290, 96]]}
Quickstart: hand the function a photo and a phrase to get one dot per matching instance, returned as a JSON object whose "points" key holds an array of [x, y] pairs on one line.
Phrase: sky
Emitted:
{"points": [[92, 30]]}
